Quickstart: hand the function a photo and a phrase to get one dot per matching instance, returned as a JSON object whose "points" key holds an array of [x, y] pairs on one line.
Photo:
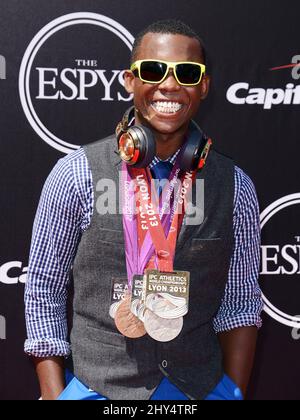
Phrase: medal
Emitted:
{"points": [[127, 323], [119, 290], [161, 305], [163, 330], [159, 296], [113, 309], [137, 302], [167, 294]]}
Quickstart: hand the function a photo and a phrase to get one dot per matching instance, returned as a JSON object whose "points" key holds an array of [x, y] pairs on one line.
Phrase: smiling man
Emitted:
{"points": [[171, 347], [168, 107]]}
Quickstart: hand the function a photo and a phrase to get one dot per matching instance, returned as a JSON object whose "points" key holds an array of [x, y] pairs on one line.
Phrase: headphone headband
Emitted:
{"points": [[122, 127]]}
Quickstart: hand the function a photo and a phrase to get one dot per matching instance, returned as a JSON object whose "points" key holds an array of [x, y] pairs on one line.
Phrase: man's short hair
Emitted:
{"points": [[170, 26]]}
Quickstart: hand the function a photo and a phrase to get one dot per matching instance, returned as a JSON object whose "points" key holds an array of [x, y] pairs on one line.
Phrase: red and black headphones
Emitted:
{"points": [[137, 146]]}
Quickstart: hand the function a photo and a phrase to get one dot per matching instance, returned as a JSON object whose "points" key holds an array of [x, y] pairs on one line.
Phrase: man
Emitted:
{"points": [[213, 356]]}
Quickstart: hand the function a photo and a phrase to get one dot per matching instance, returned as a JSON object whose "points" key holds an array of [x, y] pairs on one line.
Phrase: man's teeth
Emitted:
{"points": [[167, 107]]}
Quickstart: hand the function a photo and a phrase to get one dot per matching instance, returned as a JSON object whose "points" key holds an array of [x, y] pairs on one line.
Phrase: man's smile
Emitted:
{"points": [[167, 107]]}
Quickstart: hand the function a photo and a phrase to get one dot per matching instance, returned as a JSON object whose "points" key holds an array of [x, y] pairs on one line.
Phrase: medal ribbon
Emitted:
{"points": [[143, 240], [137, 255], [149, 219]]}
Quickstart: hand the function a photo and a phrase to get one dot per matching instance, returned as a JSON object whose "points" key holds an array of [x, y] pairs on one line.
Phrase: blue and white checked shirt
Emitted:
{"points": [[65, 211]]}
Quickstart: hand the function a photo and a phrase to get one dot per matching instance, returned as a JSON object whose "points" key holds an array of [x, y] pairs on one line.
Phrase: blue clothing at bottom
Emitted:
{"points": [[226, 390]]}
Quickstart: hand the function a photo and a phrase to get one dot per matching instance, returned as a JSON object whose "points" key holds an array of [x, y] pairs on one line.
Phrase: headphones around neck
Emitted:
{"points": [[137, 146]]}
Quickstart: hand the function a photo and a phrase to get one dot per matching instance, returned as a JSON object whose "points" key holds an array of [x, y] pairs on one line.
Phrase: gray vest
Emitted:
{"points": [[130, 369]]}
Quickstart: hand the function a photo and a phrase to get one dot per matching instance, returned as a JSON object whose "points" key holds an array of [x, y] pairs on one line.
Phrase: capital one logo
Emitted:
{"points": [[13, 272], [242, 93], [280, 274], [70, 77]]}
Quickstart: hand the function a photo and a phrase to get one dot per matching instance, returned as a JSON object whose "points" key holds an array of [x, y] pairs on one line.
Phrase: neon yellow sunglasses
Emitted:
{"points": [[187, 73]]}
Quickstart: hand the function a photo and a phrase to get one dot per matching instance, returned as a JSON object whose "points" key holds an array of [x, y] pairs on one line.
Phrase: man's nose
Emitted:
{"points": [[170, 83]]}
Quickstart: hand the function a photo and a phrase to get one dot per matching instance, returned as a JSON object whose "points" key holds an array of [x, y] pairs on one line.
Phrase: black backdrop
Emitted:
{"points": [[245, 40]]}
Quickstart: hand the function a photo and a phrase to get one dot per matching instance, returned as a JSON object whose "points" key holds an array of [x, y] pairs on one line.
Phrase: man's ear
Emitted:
{"points": [[204, 86], [129, 79]]}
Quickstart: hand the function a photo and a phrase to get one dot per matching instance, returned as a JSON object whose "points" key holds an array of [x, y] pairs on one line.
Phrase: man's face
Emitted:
{"points": [[167, 47]]}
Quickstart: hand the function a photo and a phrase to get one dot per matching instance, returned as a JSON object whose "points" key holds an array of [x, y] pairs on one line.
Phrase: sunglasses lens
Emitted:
{"points": [[153, 71], [188, 74]]}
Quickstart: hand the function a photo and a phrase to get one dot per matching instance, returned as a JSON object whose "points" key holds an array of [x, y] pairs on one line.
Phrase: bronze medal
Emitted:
{"points": [[127, 323]]}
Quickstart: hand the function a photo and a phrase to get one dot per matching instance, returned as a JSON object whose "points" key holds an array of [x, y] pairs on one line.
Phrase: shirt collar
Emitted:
{"points": [[171, 159]]}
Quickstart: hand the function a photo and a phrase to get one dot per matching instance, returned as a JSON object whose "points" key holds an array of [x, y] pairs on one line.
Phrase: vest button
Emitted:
{"points": [[164, 364]]}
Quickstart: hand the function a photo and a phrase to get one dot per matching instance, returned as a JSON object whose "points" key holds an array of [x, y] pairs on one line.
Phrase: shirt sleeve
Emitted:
{"points": [[58, 225], [242, 302]]}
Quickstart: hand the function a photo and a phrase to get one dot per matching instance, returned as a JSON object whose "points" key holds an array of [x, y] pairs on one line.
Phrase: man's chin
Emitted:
{"points": [[168, 128], [164, 125]]}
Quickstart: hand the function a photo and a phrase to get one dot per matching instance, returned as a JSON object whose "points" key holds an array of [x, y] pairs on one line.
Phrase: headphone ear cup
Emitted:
{"points": [[193, 149], [147, 145]]}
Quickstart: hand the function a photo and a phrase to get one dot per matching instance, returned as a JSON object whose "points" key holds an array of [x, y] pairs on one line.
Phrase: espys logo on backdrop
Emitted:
{"points": [[241, 93], [2, 68], [13, 272], [281, 264], [73, 82]]}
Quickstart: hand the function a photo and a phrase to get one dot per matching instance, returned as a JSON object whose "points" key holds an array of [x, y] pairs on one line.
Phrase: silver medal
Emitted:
{"points": [[160, 329]]}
